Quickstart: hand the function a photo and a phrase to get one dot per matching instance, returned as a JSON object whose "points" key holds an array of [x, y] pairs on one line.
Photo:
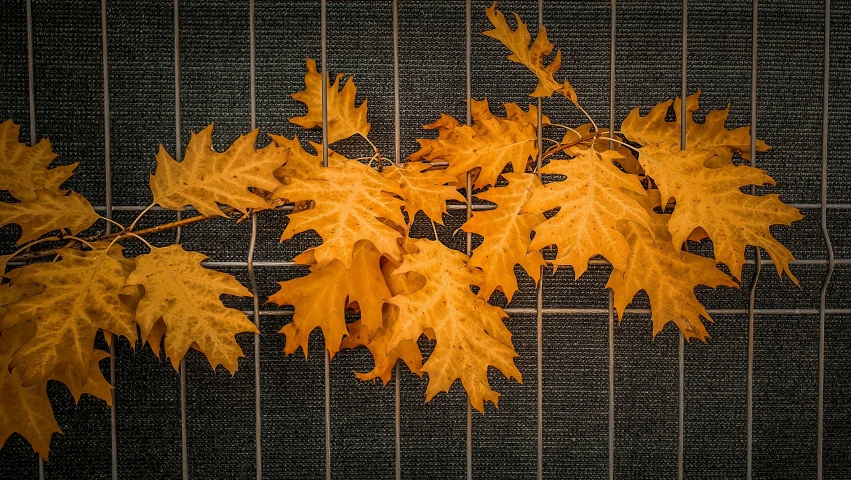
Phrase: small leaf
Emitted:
{"points": [[23, 169], [47, 212], [425, 191]]}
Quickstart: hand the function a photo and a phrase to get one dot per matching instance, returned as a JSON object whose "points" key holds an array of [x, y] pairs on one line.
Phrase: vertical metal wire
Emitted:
{"points": [[540, 301], [824, 228], [324, 56], [469, 186], [108, 214], [252, 93], [611, 300], [178, 156], [681, 418], [757, 252], [31, 81], [398, 158]]}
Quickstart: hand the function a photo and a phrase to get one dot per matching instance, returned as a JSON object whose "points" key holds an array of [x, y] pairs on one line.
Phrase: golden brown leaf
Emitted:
{"points": [[48, 211], [385, 359], [711, 198], [626, 159], [668, 275], [321, 297], [592, 200], [490, 144], [507, 234], [425, 191], [344, 118], [710, 135], [78, 298], [23, 410], [531, 56], [351, 200], [185, 296], [205, 176], [470, 333], [23, 169]]}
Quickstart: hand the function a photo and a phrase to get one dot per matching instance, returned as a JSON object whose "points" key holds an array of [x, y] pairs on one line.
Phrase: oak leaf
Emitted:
{"points": [[668, 275], [25, 410], [470, 333], [185, 296], [344, 118], [507, 235], [709, 135], [94, 383], [79, 296], [321, 297], [205, 176], [531, 56], [592, 200], [24, 169], [299, 163], [425, 191], [711, 198], [489, 144], [47, 212], [350, 202]]}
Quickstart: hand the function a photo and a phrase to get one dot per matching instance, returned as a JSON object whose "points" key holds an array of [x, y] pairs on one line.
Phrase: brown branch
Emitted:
{"points": [[124, 234]]}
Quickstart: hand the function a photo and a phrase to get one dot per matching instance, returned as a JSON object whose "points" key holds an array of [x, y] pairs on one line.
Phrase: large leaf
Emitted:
{"points": [[350, 202], [470, 334], [79, 296], [592, 200], [185, 296], [205, 176]]}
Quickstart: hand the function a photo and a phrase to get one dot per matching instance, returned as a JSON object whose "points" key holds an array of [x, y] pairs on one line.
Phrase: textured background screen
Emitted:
{"points": [[147, 106]]}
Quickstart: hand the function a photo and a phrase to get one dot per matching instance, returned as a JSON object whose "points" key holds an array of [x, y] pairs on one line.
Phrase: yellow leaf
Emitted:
{"points": [[507, 234], [300, 163], [94, 384], [592, 199], [385, 359], [470, 334], [425, 191], [321, 297], [350, 201], [48, 211], [490, 144], [205, 176], [185, 296], [23, 410], [711, 198], [344, 118], [23, 169], [12, 293], [710, 135], [669, 277], [531, 56], [78, 298]]}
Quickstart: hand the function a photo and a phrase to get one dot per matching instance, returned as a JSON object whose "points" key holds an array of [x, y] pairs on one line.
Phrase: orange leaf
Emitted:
{"points": [[425, 191]]}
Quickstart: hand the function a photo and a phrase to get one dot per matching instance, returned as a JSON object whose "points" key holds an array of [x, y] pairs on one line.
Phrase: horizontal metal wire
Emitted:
{"points": [[284, 263], [476, 207], [285, 312]]}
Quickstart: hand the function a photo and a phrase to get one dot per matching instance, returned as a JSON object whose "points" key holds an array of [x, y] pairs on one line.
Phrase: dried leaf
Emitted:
{"points": [[185, 296], [78, 298], [384, 357], [205, 176], [47, 212], [425, 191], [592, 200], [490, 144], [94, 384], [507, 235], [350, 201], [344, 118], [23, 410], [668, 275], [470, 334], [711, 198], [300, 163], [531, 56], [23, 169], [321, 297]]}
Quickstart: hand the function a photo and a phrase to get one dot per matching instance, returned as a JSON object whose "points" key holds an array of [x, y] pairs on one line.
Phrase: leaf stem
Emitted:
{"points": [[113, 222]]}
